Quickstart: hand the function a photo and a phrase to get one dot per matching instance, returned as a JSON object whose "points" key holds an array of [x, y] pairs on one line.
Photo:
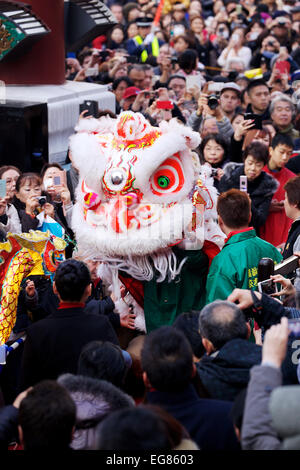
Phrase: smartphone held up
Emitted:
{"points": [[91, 108], [268, 287], [243, 183], [256, 118], [56, 181], [2, 189]]}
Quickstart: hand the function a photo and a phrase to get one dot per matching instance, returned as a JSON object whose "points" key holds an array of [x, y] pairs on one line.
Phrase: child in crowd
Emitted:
{"points": [[277, 225]]}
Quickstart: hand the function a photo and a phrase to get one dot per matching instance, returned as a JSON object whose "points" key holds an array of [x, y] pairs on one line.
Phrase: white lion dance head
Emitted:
{"points": [[139, 194]]}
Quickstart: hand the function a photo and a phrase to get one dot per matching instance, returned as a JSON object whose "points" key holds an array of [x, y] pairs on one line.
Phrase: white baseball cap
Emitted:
{"points": [[230, 86]]}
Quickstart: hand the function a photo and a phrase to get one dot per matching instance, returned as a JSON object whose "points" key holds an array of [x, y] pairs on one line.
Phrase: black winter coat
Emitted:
{"points": [[31, 310], [225, 373], [294, 233], [8, 426], [261, 191], [207, 421], [53, 345]]}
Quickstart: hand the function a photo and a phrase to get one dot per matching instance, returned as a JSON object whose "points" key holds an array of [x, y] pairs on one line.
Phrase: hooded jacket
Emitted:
{"points": [[257, 430], [227, 372], [272, 415], [285, 414], [94, 400], [260, 190]]}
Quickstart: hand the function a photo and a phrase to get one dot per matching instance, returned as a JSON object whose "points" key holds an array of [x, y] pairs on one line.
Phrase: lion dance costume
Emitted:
{"points": [[145, 209]]}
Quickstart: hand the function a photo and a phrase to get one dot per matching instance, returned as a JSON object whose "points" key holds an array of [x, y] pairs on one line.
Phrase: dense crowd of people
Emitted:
{"points": [[225, 377]]}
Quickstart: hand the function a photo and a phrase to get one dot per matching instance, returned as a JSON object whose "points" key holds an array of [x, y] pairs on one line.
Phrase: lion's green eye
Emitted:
{"points": [[163, 181]]}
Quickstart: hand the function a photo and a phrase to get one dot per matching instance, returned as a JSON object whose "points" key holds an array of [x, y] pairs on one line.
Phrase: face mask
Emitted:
{"points": [[253, 36]]}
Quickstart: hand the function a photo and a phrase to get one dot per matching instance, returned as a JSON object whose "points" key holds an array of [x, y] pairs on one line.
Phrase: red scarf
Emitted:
{"points": [[235, 232], [70, 305]]}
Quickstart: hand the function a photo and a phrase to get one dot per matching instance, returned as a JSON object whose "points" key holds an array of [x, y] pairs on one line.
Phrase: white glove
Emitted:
{"points": [[148, 39]]}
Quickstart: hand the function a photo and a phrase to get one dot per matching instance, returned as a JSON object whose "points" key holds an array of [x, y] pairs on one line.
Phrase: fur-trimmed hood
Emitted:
{"points": [[94, 400], [266, 185]]}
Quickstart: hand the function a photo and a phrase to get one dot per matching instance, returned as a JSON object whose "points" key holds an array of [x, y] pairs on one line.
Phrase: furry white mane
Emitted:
{"points": [[147, 218], [141, 190]]}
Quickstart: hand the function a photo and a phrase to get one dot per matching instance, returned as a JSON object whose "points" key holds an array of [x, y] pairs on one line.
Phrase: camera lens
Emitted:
{"points": [[212, 102], [42, 201], [265, 269]]}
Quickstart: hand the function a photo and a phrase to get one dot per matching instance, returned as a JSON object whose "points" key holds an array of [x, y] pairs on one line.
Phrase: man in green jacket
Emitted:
{"points": [[236, 265]]}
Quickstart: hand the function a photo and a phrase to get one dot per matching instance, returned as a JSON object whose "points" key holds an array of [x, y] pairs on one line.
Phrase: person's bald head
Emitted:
{"points": [[220, 322]]}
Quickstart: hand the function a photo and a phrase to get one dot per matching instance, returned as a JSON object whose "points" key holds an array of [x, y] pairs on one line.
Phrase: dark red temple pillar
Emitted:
{"points": [[44, 63]]}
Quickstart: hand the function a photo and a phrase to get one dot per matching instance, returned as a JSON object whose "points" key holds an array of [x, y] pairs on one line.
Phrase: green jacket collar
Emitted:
{"points": [[241, 236]]}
